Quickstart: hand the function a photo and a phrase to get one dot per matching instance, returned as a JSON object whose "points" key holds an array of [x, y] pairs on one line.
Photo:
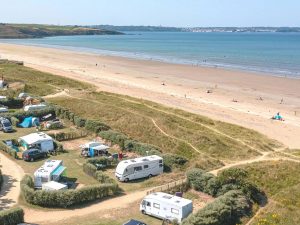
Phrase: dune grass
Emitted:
{"points": [[281, 182], [36, 82]]}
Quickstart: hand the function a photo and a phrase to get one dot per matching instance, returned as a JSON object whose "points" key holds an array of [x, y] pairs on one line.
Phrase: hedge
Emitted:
{"points": [[12, 102], [227, 180], [225, 210], [90, 169], [12, 216], [65, 198], [58, 146], [95, 126], [1, 179], [14, 121], [64, 136], [12, 152]]}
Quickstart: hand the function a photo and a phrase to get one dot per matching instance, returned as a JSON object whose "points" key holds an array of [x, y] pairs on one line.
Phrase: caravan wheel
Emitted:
{"points": [[144, 212], [126, 180], [150, 175]]}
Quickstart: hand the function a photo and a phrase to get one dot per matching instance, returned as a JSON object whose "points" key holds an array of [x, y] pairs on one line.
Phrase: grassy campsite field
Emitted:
{"points": [[207, 143]]}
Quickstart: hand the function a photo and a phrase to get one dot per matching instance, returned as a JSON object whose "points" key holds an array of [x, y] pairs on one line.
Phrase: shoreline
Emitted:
{"points": [[175, 61], [185, 87]]}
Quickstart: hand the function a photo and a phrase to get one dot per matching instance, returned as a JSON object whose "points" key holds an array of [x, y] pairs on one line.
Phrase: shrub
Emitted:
{"points": [[95, 126], [65, 198], [172, 161], [90, 169], [58, 146], [79, 122], [141, 148], [225, 210], [14, 121], [64, 136], [115, 138], [1, 179], [10, 151], [12, 216], [12, 102], [227, 180]]}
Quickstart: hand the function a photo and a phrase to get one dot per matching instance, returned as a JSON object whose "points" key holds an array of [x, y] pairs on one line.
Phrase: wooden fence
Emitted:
{"points": [[167, 187]]}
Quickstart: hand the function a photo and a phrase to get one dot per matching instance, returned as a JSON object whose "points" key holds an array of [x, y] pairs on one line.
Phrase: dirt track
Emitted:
{"points": [[12, 174]]}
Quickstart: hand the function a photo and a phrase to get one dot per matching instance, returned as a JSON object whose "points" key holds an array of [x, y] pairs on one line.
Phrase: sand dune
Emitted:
{"points": [[184, 87]]}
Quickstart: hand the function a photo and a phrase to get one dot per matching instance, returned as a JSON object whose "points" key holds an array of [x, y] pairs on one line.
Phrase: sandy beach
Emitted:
{"points": [[238, 97]]}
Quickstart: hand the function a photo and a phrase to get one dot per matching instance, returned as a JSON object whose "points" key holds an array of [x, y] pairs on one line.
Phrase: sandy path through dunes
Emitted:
{"points": [[12, 174]]}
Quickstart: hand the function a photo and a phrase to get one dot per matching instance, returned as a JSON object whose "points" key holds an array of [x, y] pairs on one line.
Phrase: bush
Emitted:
{"points": [[172, 161], [12, 216], [95, 126], [12, 152], [115, 138], [65, 198], [65, 136], [90, 169], [58, 146], [14, 121], [225, 210], [79, 122], [1, 179], [12, 102], [141, 148], [227, 180]]}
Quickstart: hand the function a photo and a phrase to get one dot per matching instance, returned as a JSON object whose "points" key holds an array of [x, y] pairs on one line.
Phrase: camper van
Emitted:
{"points": [[166, 206], [133, 169], [93, 149], [39, 140], [52, 170]]}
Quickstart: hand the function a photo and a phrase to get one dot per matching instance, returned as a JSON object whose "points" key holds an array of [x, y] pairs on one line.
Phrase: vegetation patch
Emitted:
{"points": [[12, 216]]}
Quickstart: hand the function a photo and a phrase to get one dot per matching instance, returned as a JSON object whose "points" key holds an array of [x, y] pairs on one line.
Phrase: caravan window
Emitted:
{"points": [[148, 204], [175, 211], [138, 168], [146, 166], [157, 206], [160, 165], [160, 161]]}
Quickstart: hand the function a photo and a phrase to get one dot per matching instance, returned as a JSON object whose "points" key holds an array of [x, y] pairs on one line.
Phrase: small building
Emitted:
{"points": [[53, 186], [39, 140], [93, 149], [166, 206], [52, 170]]}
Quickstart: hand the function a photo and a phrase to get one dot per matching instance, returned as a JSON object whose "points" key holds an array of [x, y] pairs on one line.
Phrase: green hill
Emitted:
{"points": [[39, 31]]}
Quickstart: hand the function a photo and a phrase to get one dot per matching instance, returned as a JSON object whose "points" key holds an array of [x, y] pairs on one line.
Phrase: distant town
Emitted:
{"points": [[197, 29]]}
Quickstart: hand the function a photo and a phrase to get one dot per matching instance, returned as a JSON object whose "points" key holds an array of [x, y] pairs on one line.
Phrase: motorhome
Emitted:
{"points": [[38, 140], [52, 170], [166, 206], [137, 168]]}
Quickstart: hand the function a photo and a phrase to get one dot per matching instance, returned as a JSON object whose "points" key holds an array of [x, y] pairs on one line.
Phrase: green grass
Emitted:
{"points": [[281, 182], [38, 83], [134, 118]]}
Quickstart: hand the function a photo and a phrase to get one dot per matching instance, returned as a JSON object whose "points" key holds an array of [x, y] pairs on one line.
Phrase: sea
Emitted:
{"points": [[276, 54]]}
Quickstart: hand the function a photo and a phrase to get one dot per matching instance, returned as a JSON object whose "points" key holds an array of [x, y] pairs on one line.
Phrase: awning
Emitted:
{"points": [[58, 171]]}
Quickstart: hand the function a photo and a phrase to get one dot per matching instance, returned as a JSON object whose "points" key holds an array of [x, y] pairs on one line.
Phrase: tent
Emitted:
{"points": [[29, 122]]}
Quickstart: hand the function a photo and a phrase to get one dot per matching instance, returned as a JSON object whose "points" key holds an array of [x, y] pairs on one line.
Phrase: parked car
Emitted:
{"points": [[5, 125], [33, 154], [134, 222]]}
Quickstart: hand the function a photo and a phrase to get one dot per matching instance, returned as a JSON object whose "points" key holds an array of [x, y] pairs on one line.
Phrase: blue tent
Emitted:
{"points": [[29, 122]]}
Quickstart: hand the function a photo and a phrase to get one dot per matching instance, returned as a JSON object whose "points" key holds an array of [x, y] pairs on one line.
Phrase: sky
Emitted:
{"points": [[179, 13]]}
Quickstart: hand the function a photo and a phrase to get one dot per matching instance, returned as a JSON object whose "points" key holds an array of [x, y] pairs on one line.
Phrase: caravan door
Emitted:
{"points": [[138, 172]]}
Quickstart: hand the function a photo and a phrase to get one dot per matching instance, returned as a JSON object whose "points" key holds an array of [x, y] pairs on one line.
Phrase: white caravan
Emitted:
{"points": [[166, 206], [50, 171], [39, 140], [133, 169]]}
